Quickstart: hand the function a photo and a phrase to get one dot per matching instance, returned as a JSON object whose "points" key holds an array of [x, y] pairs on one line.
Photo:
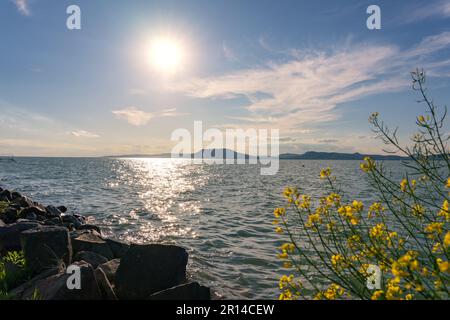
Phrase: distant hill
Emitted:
{"points": [[313, 155], [310, 155]]}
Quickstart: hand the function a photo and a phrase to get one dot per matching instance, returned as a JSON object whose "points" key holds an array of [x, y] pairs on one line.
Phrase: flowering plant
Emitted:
{"points": [[337, 248]]}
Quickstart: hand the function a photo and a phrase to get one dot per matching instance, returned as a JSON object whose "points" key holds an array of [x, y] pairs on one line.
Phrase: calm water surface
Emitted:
{"points": [[221, 213]]}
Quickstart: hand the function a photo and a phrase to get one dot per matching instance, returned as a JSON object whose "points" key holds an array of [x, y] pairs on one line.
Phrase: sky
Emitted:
{"points": [[311, 69]]}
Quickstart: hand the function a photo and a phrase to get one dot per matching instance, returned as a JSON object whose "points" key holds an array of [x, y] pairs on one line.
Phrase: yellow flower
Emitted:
{"points": [[438, 284], [305, 203], [357, 205], [442, 265], [403, 185], [434, 229], [279, 230], [409, 296], [436, 247], [393, 289], [333, 198], [421, 119], [448, 182], [447, 239], [278, 212], [289, 193], [418, 210], [348, 212], [325, 173], [283, 255], [375, 208], [367, 165], [377, 295], [313, 219], [378, 231], [288, 247], [401, 267], [286, 295], [338, 261], [445, 212], [331, 293], [285, 281]]}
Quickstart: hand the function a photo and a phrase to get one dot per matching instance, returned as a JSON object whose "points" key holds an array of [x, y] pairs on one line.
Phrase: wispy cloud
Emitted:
{"points": [[137, 117], [440, 8], [228, 52], [307, 87], [23, 7], [84, 134]]}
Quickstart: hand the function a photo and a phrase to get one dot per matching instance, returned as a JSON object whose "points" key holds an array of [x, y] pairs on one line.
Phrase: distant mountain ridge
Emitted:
{"points": [[310, 155], [314, 155]]}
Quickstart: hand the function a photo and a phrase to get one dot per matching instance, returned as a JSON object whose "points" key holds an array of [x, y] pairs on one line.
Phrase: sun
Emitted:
{"points": [[166, 54]]}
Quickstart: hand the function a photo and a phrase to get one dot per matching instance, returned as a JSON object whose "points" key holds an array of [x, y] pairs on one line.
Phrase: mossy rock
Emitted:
{"points": [[3, 206]]}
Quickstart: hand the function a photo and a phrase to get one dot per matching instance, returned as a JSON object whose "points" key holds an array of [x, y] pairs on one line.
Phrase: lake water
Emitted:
{"points": [[221, 213]]}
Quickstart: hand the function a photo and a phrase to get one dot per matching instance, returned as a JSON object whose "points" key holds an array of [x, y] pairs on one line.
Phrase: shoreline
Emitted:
{"points": [[55, 242]]}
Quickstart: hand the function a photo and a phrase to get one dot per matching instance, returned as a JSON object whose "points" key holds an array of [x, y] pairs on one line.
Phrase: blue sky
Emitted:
{"points": [[309, 68]]}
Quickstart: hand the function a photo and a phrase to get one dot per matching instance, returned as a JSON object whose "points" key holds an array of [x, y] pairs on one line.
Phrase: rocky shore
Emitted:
{"points": [[50, 242]]}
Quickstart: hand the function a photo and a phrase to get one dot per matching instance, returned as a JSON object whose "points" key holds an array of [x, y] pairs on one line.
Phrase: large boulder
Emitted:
{"points": [[10, 215], [23, 202], [187, 291], [30, 285], [118, 248], [55, 286], [32, 210], [10, 235], [94, 259], [52, 212], [74, 221], [110, 269], [105, 286], [46, 247], [90, 241], [6, 195], [146, 269]]}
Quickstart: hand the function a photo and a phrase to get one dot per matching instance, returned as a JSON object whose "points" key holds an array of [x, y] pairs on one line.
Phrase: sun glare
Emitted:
{"points": [[166, 54]]}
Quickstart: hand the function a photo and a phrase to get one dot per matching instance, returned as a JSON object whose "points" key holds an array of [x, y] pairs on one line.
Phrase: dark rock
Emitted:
{"points": [[23, 202], [33, 209], [89, 227], [94, 259], [15, 195], [118, 248], [76, 233], [17, 293], [146, 269], [5, 195], [81, 218], [89, 241], [62, 209], [30, 216], [56, 220], [55, 286], [52, 211], [104, 285], [46, 247], [72, 220], [10, 235], [10, 215], [188, 291], [110, 269]]}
